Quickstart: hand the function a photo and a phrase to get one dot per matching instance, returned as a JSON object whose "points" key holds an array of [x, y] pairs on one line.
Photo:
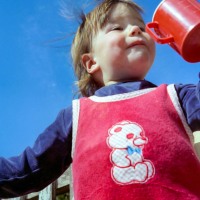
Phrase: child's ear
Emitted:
{"points": [[89, 63]]}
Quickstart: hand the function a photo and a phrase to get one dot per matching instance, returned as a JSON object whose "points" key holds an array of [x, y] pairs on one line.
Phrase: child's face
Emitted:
{"points": [[122, 51]]}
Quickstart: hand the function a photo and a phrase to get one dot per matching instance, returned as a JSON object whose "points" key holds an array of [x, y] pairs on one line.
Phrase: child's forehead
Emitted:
{"points": [[121, 11]]}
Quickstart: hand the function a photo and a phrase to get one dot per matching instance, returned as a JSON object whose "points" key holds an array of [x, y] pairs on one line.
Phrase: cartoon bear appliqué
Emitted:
{"points": [[127, 140]]}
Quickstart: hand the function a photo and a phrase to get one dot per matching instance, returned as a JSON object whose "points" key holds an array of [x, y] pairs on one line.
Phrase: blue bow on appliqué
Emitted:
{"points": [[132, 150]]}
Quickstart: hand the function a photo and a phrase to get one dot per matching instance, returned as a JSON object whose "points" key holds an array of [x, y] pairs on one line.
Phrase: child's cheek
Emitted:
{"points": [[117, 39], [116, 42]]}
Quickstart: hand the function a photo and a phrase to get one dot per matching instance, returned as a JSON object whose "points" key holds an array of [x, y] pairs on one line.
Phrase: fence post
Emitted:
{"points": [[71, 185], [197, 142], [48, 193]]}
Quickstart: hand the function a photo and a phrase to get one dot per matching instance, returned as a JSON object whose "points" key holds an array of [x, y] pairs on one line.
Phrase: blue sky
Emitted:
{"points": [[36, 76]]}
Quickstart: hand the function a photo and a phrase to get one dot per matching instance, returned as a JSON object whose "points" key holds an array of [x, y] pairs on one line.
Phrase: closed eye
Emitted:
{"points": [[117, 28]]}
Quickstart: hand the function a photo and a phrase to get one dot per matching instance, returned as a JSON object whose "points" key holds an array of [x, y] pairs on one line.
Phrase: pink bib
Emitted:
{"points": [[133, 146]]}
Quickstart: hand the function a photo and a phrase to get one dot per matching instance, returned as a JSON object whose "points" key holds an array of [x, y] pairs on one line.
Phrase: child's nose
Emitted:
{"points": [[134, 30]]}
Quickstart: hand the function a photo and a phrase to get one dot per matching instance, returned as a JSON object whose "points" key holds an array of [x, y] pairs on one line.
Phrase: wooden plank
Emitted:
{"points": [[71, 185], [48, 193], [17, 198], [197, 142], [64, 179], [196, 137], [32, 195]]}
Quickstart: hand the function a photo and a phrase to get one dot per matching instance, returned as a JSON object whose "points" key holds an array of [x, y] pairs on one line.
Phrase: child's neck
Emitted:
{"points": [[122, 81]]}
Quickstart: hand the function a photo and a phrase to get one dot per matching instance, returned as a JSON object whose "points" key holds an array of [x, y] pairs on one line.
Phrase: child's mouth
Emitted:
{"points": [[137, 43]]}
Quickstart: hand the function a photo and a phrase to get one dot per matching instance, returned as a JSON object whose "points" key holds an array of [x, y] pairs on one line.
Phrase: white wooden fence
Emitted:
{"points": [[59, 187], [197, 142], [63, 184]]}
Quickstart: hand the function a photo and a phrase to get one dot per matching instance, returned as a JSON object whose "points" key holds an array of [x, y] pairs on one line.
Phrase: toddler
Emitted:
{"points": [[126, 137]]}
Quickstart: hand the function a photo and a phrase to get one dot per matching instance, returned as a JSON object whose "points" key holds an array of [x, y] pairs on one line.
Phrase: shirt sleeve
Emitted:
{"points": [[189, 97], [40, 165]]}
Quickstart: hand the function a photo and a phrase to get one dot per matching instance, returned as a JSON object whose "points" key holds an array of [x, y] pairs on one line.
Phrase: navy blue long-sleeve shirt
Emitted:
{"points": [[50, 156]]}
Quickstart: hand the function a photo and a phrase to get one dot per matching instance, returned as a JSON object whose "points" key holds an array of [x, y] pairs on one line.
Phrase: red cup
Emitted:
{"points": [[177, 22]]}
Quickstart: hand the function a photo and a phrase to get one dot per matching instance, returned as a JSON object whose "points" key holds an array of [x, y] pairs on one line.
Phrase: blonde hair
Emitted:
{"points": [[82, 43]]}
